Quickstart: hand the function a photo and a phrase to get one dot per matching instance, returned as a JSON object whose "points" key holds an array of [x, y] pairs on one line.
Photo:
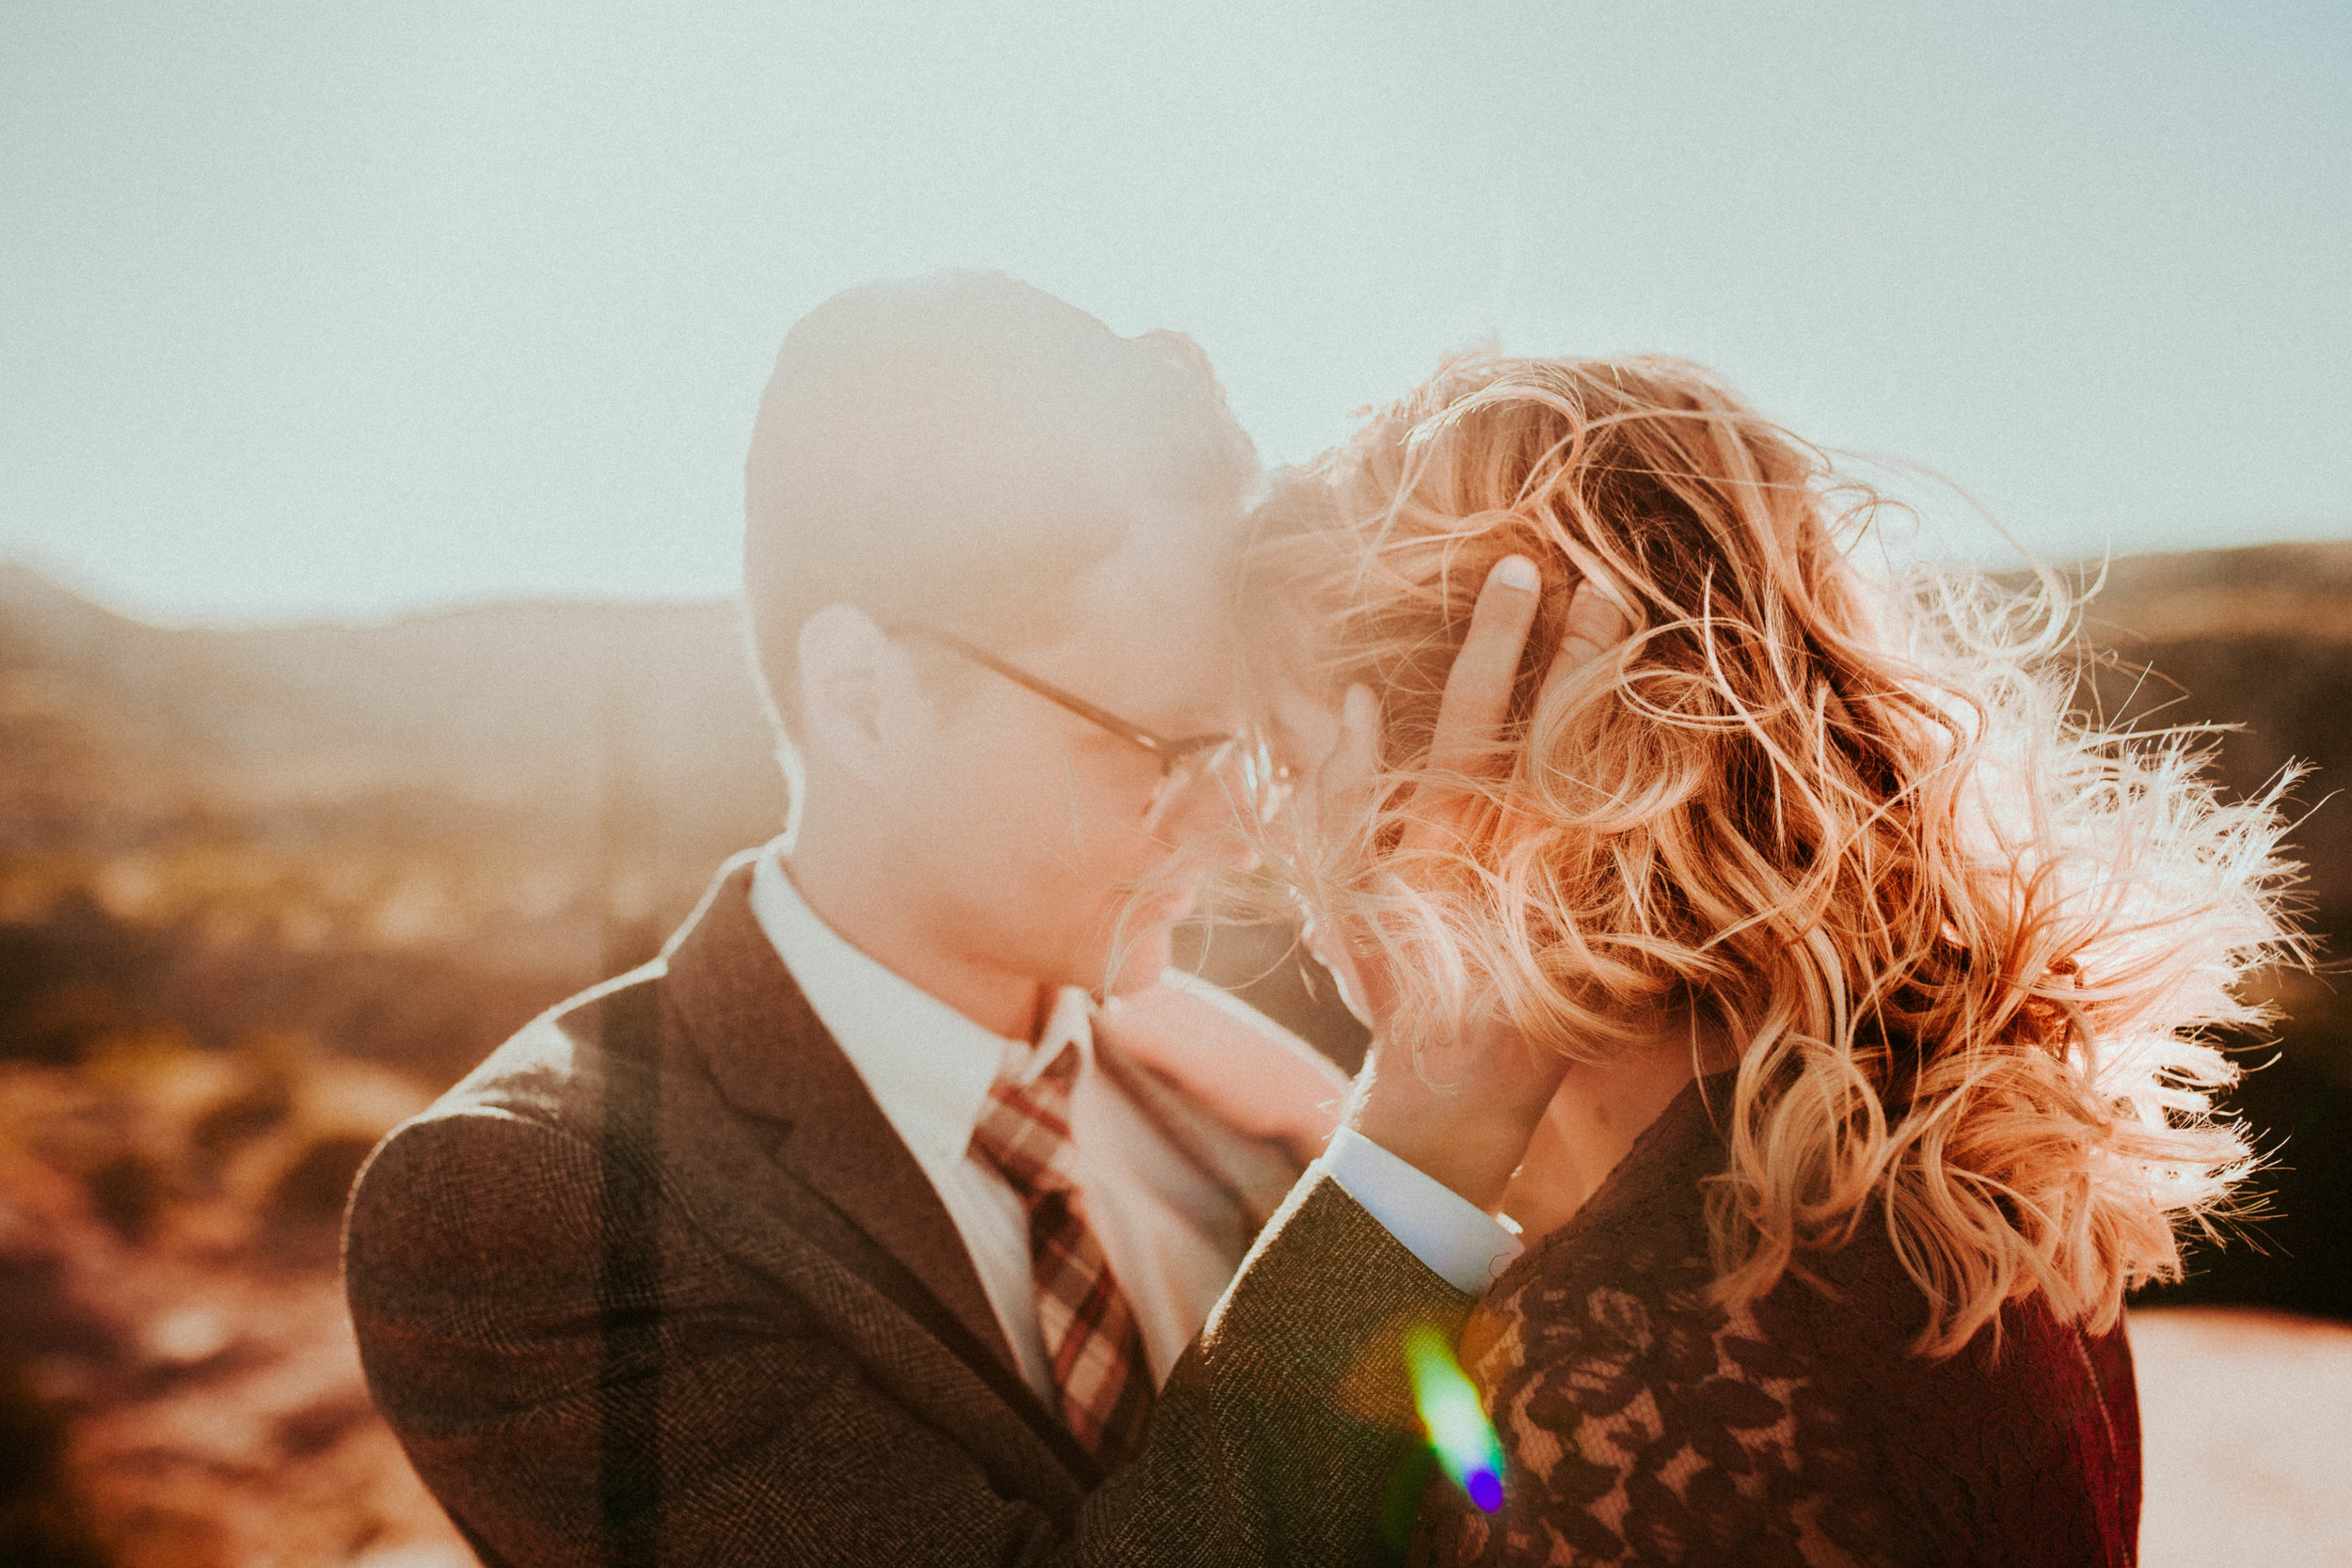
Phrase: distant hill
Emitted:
{"points": [[403, 839], [504, 783], [2302, 590], [2259, 639], [397, 843], [537, 714], [528, 706]]}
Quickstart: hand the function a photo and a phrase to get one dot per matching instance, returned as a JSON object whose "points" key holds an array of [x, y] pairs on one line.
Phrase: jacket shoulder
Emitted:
{"points": [[511, 1160], [550, 1067]]}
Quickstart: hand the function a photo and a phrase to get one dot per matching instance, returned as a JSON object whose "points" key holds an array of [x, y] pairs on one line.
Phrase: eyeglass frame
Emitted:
{"points": [[1262, 772]]}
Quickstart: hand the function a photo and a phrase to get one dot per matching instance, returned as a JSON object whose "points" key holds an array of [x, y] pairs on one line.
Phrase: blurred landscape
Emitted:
{"points": [[263, 893]]}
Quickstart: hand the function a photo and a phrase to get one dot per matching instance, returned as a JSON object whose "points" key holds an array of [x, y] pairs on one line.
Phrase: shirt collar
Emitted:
{"points": [[1069, 1026], [927, 1065]]}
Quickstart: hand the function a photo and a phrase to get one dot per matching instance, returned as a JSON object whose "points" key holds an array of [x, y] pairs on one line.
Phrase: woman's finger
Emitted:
{"points": [[1354, 754], [1478, 689], [1595, 622]]}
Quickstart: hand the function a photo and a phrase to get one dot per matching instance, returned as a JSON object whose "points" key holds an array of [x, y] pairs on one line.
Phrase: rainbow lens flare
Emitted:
{"points": [[1459, 1432]]}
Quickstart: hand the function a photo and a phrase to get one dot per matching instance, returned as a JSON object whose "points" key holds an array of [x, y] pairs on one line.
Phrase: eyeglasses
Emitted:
{"points": [[1245, 760]]}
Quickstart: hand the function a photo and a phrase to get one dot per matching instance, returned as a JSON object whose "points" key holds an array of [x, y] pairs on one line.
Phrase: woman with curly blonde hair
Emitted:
{"points": [[1884, 981]]}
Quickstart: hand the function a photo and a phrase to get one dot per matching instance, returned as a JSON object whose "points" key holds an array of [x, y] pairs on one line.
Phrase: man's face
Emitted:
{"points": [[1030, 820]]}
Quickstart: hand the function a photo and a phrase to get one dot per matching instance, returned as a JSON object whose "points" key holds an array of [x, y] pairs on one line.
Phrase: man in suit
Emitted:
{"points": [[847, 1231]]}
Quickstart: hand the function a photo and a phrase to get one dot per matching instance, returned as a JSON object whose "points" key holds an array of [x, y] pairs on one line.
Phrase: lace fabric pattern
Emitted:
{"points": [[1643, 1422]]}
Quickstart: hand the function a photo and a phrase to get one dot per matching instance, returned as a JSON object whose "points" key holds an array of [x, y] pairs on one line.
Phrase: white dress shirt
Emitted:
{"points": [[1166, 1226]]}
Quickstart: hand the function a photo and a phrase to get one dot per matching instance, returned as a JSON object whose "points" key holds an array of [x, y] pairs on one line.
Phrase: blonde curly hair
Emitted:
{"points": [[1970, 946]]}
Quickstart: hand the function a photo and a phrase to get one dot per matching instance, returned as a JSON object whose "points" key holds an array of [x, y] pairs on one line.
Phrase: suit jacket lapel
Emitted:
{"points": [[725, 1164], [782, 1108], [771, 1058]]}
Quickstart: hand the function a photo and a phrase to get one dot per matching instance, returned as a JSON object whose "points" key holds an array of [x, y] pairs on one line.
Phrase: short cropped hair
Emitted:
{"points": [[955, 450]]}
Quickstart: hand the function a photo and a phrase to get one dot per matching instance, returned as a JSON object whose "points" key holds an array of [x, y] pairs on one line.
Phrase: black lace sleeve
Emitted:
{"points": [[1644, 1422]]}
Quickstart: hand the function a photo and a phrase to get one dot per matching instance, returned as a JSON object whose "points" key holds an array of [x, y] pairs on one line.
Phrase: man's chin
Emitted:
{"points": [[1139, 961]]}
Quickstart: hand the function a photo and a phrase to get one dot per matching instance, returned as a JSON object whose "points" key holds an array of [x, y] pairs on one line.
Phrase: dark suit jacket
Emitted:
{"points": [[658, 1283]]}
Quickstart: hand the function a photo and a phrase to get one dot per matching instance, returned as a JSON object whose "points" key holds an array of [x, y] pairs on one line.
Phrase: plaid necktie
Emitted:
{"points": [[1091, 1342]]}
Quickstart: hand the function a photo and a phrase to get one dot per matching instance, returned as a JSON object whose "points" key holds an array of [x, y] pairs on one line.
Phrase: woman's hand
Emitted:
{"points": [[1266, 1081], [1464, 1113]]}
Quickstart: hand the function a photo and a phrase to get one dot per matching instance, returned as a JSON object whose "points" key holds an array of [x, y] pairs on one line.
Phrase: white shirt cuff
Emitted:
{"points": [[1462, 1244]]}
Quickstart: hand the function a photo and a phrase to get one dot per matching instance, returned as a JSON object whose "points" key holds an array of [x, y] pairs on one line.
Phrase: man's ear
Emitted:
{"points": [[856, 686]]}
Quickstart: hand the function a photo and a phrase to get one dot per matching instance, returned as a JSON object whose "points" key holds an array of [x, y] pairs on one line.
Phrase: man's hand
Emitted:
{"points": [[1465, 1111]]}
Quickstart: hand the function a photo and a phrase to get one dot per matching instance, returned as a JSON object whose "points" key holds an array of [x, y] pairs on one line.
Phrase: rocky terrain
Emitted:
{"points": [[264, 893], [177, 1355]]}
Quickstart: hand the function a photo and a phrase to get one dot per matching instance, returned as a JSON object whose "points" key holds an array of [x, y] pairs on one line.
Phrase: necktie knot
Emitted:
{"points": [[1024, 1130]]}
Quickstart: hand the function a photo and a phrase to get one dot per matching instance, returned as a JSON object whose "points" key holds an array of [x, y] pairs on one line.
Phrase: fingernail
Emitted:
{"points": [[1517, 571]]}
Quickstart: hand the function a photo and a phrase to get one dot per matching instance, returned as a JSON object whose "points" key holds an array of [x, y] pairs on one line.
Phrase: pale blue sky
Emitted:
{"points": [[337, 311]]}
